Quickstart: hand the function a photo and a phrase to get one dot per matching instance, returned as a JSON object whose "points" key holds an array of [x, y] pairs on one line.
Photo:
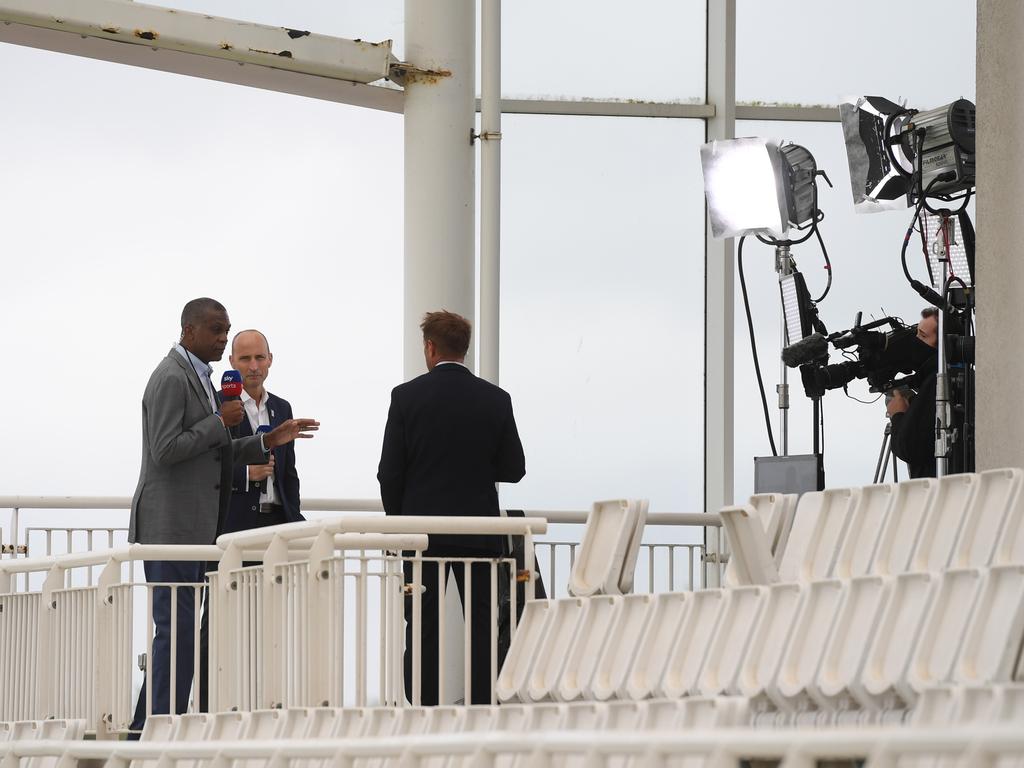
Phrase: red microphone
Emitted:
{"points": [[231, 385]]}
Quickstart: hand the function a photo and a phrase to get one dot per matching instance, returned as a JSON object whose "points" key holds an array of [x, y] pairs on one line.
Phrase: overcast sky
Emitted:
{"points": [[127, 192]]}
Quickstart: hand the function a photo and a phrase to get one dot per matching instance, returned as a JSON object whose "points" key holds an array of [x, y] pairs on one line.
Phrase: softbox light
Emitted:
{"points": [[741, 187], [755, 186]]}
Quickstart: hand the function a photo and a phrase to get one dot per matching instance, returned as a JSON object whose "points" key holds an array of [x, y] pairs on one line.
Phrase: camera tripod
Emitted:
{"points": [[884, 454]]}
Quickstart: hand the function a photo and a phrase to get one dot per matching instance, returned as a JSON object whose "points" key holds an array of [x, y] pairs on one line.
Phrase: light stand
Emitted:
{"points": [[799, 318], [762, 188], [783, 267]]}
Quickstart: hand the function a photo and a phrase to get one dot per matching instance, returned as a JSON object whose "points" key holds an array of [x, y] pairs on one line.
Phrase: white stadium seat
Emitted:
{"points": [[818, 528]]}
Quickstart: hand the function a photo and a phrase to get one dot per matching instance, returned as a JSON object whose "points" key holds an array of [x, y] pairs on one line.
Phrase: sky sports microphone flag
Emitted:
{"points": [[231, 385]]}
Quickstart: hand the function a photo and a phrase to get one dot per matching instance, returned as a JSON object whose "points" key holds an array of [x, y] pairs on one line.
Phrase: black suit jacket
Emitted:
{"points": [[449, 438], [243, 512], [913, 432]]}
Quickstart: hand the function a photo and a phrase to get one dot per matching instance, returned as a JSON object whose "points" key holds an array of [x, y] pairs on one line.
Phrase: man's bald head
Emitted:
{"points": [[250, 356], [245, 336]]}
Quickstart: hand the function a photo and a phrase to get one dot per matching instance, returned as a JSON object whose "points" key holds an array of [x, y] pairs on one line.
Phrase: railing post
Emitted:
{"points": [[47, 609], [105, 677], [273, 628], [320, 613], [530, 565], [14, 532], [417, 624]]}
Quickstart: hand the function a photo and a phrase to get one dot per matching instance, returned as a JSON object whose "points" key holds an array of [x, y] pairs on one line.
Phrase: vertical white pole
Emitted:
{"points": [[718, 287], [439, 166], [1000, 421], [489, 325]]}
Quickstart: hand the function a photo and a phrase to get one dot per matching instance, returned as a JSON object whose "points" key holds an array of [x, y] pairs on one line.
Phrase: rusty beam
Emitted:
{"points": [[198, 45]]}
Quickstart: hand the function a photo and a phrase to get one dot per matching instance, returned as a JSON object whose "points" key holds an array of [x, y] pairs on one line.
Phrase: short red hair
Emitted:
{"points": [[449, 332]]}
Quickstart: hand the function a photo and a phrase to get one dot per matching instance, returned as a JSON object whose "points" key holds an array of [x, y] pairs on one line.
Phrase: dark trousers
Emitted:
{"points": [[480, 630], [159, 662]]}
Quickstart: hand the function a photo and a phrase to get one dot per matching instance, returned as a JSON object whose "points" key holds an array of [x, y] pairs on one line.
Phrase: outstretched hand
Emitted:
{"points": [[293, 429]]}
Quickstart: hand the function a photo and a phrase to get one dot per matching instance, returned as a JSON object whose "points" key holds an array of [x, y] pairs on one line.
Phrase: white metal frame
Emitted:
{"points": [[438, 103]]}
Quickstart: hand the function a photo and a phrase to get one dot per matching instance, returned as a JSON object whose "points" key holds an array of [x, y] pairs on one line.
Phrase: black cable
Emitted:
{"points": [[865, 402], [828, 266], [753, 346], [906, 241]]}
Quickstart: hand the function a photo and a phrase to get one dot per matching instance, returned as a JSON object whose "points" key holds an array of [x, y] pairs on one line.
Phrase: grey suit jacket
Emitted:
{"points": [[187, 455]]}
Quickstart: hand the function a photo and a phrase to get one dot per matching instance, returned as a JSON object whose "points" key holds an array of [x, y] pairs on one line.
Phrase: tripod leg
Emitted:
{"points": [[883, 454], [887, 450]]}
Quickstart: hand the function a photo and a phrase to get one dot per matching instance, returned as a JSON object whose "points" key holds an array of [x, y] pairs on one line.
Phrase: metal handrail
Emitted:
{"points": [[557, 516]]}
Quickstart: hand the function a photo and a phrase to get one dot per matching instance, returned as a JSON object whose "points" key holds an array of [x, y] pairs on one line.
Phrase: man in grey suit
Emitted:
{"points": [[185, 484]]}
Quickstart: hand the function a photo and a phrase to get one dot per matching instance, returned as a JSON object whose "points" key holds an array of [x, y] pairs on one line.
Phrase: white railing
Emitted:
{"points": [[974, 745], [278, 631], [661, 566]]}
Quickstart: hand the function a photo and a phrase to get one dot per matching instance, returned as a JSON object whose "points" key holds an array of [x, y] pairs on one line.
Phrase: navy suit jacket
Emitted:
{"points": [[244, 513], [449, 438]]}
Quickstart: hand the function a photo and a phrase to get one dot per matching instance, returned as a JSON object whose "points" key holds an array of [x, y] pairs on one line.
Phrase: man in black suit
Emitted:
{"points": [[450, 436], [261, 494]]}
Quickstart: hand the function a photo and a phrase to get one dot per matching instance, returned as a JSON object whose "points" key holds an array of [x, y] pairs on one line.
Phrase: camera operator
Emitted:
{"points": [[913, 421]]}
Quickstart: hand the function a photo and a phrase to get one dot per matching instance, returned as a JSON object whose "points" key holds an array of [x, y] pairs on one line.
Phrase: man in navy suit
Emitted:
{"points": [[261, 494], [450, 436]]}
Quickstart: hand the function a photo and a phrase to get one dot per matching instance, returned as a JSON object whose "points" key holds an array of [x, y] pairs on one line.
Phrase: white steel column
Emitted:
{"points": [[439, 166], [718, 288], [489, 324], [1000, 206]]}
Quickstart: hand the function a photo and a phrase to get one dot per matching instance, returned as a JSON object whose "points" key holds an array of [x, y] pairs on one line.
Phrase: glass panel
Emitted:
{"points": [[602, 309], [129, 192], [816, 52], [602, 49], [865, 253]]}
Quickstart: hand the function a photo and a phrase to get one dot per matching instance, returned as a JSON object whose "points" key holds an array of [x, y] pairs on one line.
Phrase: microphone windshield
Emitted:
{"points": [[807, 350], [231, 384], [262, 429]]}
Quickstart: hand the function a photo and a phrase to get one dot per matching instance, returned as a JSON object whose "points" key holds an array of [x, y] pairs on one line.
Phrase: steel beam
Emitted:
{"points": [[198, 45]]}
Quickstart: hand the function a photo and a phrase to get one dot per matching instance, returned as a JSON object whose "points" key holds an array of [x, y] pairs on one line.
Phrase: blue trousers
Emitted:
{"points": [[159, 662]]}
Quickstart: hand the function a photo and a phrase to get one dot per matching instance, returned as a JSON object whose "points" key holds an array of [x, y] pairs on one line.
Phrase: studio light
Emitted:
{"points": [[952, 238], [888, 144], [740, 184], [798, 172], [796, 307], [946, 146], [754, 186]]}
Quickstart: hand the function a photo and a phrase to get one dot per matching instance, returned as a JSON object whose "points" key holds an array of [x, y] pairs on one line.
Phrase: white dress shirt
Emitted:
{"points": [[203, 371], [258, 416]]}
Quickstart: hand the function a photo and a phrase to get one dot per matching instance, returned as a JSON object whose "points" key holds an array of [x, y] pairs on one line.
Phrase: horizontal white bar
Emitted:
{"points": [[239, 42], [662, 109], [824, 742], [354, 541], [342, 505], [118, 555], [816, 114], [610, 108], [389, 524], [125, 502], [654, 518]]}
